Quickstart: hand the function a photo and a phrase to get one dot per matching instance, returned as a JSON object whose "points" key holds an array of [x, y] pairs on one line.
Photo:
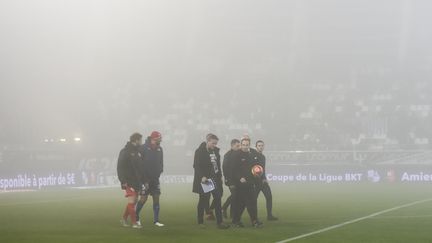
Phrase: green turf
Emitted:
{"points": [[93, 215]]}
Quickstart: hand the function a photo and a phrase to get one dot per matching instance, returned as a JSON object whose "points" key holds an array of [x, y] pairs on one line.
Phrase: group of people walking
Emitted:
{"points": [[235, 172], [141, 164]]}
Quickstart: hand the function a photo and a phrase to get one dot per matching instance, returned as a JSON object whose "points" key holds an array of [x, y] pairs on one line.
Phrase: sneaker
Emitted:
{"points": [[136, 226], [257, 224], [238, 225], [272, 218], [223, 226], [159, 224], [123, 223], [138, 223]]}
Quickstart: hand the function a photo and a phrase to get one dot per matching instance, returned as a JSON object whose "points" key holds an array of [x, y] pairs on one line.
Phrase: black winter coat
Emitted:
{"points": [[151, 166], [242, 168], [227, 165], [127, 166], [204, 168]]}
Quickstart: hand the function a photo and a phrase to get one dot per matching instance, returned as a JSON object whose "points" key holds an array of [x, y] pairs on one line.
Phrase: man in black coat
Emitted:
{"points": [[262, 184], [207, 167], [131, 181], [227, 172], [244, 184]]}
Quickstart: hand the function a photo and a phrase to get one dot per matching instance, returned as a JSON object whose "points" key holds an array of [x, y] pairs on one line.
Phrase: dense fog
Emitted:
{"points": [[79, 77]]}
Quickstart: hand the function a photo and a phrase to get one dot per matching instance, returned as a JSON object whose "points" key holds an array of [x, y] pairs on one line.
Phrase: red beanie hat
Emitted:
{"points": [[156, 135]]}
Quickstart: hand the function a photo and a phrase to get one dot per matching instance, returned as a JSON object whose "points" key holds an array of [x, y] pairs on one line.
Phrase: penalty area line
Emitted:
{"points": [[354, 221]]}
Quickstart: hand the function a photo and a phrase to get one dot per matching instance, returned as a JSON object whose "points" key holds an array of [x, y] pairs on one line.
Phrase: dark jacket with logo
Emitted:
{"points": [[127, 166], [203, 167], [152, 164], [242, 168]]}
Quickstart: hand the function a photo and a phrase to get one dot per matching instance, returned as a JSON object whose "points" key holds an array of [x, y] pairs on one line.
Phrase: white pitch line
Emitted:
{"points": [[354, 221], [405, 216]]}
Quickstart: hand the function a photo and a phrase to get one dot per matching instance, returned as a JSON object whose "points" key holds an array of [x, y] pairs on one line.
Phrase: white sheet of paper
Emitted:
{"points": [[209, 186]]}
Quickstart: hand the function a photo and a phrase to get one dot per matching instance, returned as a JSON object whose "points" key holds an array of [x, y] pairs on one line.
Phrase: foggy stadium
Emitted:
{"points": [[338, 92]]}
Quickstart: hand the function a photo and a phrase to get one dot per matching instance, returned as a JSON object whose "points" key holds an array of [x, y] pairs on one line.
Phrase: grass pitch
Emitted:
{"points": [[92, 216]]}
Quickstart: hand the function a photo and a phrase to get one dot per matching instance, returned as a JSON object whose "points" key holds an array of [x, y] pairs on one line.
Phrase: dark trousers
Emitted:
{"points": [[265, 189], [229, 201], [245, 197], [203, 203], [209, 207]]}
